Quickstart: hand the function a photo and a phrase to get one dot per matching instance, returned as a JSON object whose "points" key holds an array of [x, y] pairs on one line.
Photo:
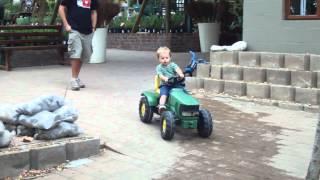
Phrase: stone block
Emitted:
{"points": [[311, 109], [297, 62], [307, 96], [271, 60], [13, 163], [304, 79], [213, 85], [314, 62], [224, 57], [254, 74], [278, 76], [193, 83], [250, 59], [47, 156], [291, 106], [235, 88], [283, 93], [216, 72], [82, 149], [203, 70], [232, 73], [258, 90]]}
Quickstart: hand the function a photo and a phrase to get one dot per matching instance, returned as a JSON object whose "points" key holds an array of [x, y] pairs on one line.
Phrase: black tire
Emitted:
{"points": [[205, 123], [167, 127], [145, 111]]}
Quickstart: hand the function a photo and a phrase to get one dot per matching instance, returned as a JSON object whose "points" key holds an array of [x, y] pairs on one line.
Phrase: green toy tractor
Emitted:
{"points": [[182, 109]]}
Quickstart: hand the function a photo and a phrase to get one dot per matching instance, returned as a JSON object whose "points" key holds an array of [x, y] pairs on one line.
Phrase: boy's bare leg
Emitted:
{"points": [[75, 67], [162, 100]]}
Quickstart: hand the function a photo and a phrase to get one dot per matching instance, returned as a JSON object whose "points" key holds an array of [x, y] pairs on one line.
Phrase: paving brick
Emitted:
{"points": [[232, 73], [224, 57], [251, 59], [235, 88], [291, 106], [203, 70], [278, 76], [307, 96], [318, 79], [254, 74], [82, 149], [312, 109], [283, 93], [258, 90], [216, 72], [303, 79], [314, 62], [47, 156], [271, 60], [13, 163], [297, 61], [194, 83], [267, 102], [213, 85]]}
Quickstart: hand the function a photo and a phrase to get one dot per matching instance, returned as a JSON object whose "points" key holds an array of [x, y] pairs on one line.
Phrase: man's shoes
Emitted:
{"points": [[74, 85], [161, 108], [80, 83]]}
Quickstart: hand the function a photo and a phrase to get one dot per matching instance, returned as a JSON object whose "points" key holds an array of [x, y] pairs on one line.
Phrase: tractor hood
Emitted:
{"points": [[180, 96]]}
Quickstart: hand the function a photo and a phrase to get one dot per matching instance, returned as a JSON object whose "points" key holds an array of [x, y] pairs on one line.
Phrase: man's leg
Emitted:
{"points": [[75, 67]]}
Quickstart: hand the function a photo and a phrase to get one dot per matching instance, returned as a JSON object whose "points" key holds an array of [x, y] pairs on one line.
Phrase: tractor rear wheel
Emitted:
{"points": [[167, 127], [205, 123], [145, 111]]}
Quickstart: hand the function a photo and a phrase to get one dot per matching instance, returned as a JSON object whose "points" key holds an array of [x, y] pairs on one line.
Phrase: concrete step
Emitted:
{"points": [[287, 93], [280, 76], [301, 62]]}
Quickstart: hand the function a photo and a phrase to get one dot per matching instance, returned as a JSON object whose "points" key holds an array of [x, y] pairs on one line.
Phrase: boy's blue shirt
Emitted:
{"points": [[168, 70]]}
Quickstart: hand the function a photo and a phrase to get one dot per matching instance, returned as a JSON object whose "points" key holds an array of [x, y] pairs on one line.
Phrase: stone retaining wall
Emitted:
{"points": [[284, 78]]}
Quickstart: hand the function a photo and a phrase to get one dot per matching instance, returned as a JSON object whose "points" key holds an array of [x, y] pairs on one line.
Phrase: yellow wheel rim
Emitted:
{"points": [[164, 125], [143, 109]]}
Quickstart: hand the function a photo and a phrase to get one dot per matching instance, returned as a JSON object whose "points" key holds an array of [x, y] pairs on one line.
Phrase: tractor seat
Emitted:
{"points": [[157, 84]]}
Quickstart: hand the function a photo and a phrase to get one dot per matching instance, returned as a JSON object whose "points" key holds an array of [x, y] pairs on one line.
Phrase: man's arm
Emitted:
{"points": [[94, 19], [62, 14]]}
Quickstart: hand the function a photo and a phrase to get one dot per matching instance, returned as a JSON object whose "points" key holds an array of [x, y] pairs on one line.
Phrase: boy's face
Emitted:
{"points": [[164, 58]]}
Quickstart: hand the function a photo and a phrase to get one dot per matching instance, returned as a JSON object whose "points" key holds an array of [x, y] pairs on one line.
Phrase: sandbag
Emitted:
{"points": [[8, 114], [43, 103], [63, 129], [5, 136]]}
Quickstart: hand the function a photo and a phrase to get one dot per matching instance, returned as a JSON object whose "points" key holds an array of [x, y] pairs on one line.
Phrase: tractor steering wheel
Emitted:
{"points": [[175, 81]]}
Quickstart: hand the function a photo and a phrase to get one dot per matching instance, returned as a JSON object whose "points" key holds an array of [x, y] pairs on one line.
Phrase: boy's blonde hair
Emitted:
{"points": [[163, 49]]}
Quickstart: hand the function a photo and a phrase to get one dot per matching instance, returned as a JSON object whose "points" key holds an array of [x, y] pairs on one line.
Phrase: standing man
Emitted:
{"points": [[79, 18]]}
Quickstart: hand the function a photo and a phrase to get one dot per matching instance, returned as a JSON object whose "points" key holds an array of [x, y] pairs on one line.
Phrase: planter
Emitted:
{"points": [[208, 35], [99, 45]]}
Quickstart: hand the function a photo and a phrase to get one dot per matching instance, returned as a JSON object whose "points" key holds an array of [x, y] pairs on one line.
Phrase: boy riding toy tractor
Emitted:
{"points": [[181, 109]]}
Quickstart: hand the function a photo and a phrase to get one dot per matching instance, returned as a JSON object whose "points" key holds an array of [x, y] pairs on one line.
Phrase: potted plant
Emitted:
{"points": [[107, 10], [208, 15]]}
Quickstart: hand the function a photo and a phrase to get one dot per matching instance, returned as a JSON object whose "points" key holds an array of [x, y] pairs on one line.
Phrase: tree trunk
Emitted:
{"points": [[135, 26], [314, 165], [55, 12], [168, 15]]}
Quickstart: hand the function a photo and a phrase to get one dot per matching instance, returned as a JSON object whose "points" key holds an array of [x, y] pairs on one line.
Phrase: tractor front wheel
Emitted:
{"points": [[145, 111], [167, 125], [205, 123]]}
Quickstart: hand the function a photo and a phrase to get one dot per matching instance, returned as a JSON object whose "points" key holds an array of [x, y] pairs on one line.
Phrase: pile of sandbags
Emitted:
{"points": [[46, 118]]}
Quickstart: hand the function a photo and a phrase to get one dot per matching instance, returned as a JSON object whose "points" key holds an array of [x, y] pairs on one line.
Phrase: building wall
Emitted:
{"points": [[265, 29]]}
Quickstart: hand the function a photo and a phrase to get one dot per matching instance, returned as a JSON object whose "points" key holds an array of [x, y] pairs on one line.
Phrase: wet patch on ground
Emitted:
{"points": [[239, 148]]}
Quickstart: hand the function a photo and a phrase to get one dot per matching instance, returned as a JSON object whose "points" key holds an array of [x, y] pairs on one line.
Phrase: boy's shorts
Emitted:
{"points": [[80, 46], [164, 90]]}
